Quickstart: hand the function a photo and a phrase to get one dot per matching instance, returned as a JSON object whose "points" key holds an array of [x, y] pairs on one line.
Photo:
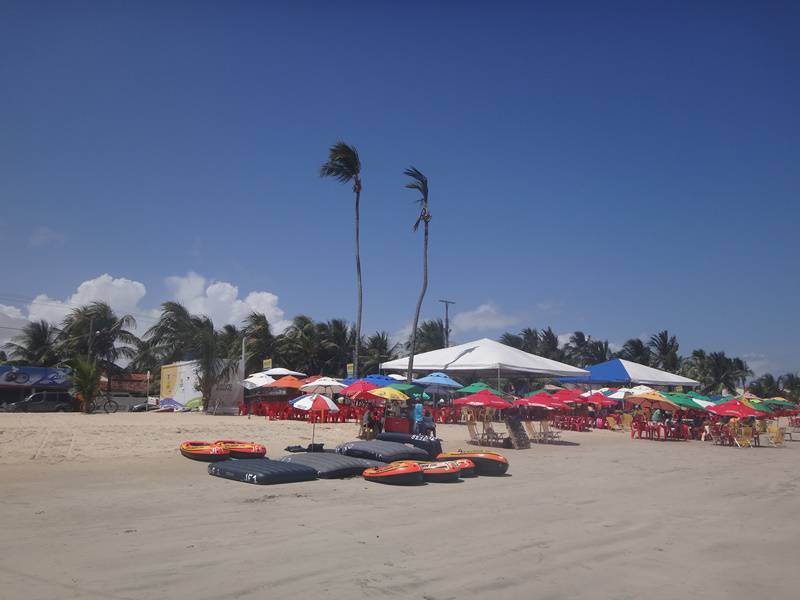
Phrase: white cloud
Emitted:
{"points": [[44, 236], [12, 319], [220, 301], [123, 295], [486, 317]]}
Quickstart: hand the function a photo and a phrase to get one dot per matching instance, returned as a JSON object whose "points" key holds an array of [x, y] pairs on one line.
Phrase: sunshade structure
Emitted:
{"points": [[598, 399], [438, 383], [484, 356], [484, 398], [314, 403], [652, 399], [388, 393], [622, 371], [478, 386], [396, 377], [407, 389], [257, 380], [358, 386], [281, 372], [734, 408], [288, 382], [323, 385], [684, 401]]}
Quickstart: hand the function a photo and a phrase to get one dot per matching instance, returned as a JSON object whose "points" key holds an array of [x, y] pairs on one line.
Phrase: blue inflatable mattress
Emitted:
{"points": [[382, 451], [332, 466], [261, 471]]}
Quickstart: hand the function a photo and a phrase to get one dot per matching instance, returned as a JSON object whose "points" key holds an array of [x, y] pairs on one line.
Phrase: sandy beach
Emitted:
{"points": [[103, 506]]}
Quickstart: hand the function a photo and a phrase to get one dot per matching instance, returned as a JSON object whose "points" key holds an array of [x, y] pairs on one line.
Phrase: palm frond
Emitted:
{"points": [[343, 163]]}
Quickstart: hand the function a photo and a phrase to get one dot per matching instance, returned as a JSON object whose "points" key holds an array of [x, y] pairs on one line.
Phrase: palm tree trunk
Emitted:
{"points": [[419, 305], [358, 281]]}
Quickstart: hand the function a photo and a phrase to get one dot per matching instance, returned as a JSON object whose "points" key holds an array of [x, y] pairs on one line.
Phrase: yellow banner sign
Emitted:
{"points": [[266, 363], [350, 369]]}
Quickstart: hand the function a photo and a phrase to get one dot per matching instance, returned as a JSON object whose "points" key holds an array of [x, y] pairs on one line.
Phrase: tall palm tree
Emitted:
{"points": [[665, 351], [96, 331], [378, 349], [635, 350], [419, 183], [36, 345], [259, 341], [577, 349], [597, 351], [300, 345], [336, 340], [765, 386], [741, 371], [344, 165], [512, 339], [179, 335], [547, 345], [790, 386], [430, 336]]}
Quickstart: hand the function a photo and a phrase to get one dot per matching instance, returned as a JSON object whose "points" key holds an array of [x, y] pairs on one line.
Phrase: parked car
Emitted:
{"points": [[45, 402], [143, 407]]}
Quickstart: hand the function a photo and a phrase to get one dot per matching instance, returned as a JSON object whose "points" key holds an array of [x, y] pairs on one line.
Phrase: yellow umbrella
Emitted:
{"points": [[389, 393], [651, 399]]}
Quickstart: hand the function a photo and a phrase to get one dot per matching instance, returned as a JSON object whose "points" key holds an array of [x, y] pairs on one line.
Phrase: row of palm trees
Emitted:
{"points": [[344, 165], [716, 372]]}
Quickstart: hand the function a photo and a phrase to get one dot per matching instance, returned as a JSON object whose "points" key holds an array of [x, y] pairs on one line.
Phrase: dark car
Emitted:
{"points": [[45, 402]]}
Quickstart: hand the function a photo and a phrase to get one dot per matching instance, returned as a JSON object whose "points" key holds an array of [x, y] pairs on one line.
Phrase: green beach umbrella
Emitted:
{"points": [[407, 388], [683, 400], [780, 402], [694, 394], [479, 386]]}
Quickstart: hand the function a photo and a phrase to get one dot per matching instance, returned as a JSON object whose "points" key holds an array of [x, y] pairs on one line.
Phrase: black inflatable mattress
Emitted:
{"points": [[382, 451], [332, 466], [433, 446], [261, 471]]}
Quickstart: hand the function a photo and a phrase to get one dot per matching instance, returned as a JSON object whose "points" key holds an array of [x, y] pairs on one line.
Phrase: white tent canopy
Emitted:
{"points": [[484, 355]]}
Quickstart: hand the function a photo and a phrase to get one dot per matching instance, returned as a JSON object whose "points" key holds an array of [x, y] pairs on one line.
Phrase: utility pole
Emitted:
{"points": [[447, 304]]}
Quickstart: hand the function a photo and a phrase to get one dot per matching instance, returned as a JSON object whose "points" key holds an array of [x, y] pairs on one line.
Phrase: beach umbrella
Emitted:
{"points": [[314, 403], [599, 400], [362, 385], [547, 401], [652, 399], [567, 395], [591, 392], [478, 386], [735, 408], [782, 402], [381, 380], [388, 393], [323, 385], [406, 388], [368, 396], [439, 380], [550, 387], [281, 372], [396, 376], [483, 398], [684, 401], [257, 380], [288, 382]]}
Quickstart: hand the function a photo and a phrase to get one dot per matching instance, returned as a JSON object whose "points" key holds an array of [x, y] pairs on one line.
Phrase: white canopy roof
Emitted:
{"points": [[484, 355], [650, 376]]}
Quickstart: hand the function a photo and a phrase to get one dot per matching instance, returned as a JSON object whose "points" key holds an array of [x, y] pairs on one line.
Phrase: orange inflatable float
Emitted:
{"points": [[242, 449], [396, 473], [205, 451]]}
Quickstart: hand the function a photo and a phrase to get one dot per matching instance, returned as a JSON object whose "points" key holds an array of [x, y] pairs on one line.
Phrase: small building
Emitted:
{"points": [[179, 387], [17, 383]]}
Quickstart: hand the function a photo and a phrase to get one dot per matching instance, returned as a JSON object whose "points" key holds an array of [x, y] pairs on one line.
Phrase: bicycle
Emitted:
{"points": [[109, 406]]}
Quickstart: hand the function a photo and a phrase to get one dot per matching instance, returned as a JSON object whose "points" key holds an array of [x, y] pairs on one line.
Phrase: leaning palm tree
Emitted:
{"points": [[36, 345], [419, 183], [344, 165]]}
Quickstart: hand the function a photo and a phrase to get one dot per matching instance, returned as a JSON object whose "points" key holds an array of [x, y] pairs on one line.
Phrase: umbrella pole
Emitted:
{"points": [[313, 429]]}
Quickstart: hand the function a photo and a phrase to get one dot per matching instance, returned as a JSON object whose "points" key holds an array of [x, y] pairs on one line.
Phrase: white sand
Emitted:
{"points": [[103, 506]]}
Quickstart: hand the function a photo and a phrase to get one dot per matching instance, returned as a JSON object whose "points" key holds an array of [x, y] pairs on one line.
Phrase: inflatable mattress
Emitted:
{"points": [[262, 471], [432, 446], [332, 466], [382, 451]]}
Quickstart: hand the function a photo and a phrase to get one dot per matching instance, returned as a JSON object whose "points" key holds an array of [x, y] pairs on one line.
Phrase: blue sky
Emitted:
{"points": [[614, 168]]}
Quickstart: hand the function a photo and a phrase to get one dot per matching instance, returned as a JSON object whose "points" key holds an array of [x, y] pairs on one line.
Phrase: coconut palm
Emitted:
{"points": [[36, 345], [377, 349], [173, 334], [430, 336], [344, 165], [419, 183], [635, 350], [548, 346], [336, 340], [512, 339], [577, 349], [85, 381], [300, 346], [664, 351], [597, 351], [259, 341], [765, 386], [790, 386]]}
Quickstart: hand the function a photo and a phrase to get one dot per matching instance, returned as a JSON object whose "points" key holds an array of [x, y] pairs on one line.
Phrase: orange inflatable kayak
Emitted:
{"points": [[486, 463], [242, 449], [205, 451], [396, 473], [467, 467], [440, 472]]}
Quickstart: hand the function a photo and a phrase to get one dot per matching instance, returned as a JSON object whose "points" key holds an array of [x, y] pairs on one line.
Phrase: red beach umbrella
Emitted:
{"points": [[734, 408], [361, 385], [484, 398]]}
